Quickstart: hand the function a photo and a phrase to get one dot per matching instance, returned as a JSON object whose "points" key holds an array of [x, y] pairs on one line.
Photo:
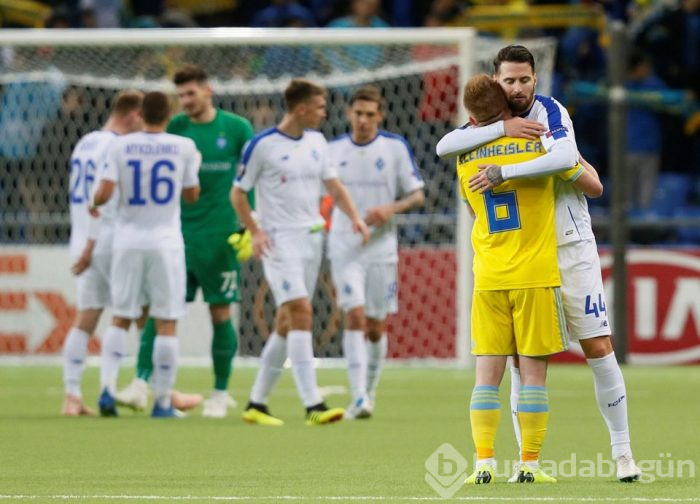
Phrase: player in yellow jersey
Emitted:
{"points": [[516, 305]]}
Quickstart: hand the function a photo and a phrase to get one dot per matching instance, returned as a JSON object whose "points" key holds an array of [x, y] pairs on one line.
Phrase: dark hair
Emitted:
{"points": [[190, 73], [155, 108], [300, 90], [513, 54], [126, 101], [484, 98], [368, 93]]}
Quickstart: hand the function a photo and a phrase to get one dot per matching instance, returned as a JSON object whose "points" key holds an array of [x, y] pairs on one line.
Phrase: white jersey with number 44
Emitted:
{"points": [[150, 170], [375, 173], [88, 154]]}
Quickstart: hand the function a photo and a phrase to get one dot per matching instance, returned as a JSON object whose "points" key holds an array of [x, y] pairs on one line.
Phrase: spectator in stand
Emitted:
{"points": [[102, 13], [363, 14], [672, 38], [644, 130], [281, 13]]}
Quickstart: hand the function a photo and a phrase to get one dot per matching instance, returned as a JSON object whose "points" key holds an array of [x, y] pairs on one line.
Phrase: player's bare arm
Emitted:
{"points": [[261, 242], [343, 201], [489, 176], [379, 215], [190, 194], [85, 258], [101, 196], [588, 182]]}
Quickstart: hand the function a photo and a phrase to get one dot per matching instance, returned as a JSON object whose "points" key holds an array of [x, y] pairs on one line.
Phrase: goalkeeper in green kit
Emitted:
{"points": [[213, 245]]}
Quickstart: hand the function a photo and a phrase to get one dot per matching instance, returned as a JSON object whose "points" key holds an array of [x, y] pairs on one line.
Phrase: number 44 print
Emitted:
{"points": [[593, 307]]}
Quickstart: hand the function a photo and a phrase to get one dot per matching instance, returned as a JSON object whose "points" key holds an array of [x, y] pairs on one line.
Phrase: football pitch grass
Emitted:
{"points": [[45, 458]]}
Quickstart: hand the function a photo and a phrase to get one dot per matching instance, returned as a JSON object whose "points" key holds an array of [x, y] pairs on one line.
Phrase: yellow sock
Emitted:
{"points": [[484, 414], [533, 415]]}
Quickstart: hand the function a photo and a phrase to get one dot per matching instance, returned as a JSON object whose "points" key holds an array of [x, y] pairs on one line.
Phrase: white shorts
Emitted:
{"points": [[291, 268], [582, 290], [93, 283], [370, 285], [154, 277]]}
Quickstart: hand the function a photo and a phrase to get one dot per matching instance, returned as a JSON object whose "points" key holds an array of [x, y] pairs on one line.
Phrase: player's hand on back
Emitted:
{"points": [[517, 127], [489, 176], [378, 215], [261, 244], [82, 263], [359, 226]]}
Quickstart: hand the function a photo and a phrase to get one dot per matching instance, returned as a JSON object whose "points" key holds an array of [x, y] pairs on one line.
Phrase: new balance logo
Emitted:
{"points": [[526, 477], [616, 401]]}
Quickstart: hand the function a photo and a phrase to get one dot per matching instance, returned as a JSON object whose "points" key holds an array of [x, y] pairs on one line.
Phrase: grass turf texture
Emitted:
{"points": [[44, 456]]}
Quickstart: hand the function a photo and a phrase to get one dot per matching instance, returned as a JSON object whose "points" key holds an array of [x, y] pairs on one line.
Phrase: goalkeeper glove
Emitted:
{"points": [[242, 243]]}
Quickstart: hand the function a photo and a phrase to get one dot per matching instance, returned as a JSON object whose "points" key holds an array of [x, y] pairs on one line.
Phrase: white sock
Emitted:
{"points": [[376, 353], [514, 396], [355, 352], [165, 352], [611, 395], [272, 359], [74, 355], [113, 348], [301, 353]]}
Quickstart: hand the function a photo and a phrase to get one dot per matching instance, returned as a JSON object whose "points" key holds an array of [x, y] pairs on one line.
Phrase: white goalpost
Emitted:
{"points": [[56, 85]]}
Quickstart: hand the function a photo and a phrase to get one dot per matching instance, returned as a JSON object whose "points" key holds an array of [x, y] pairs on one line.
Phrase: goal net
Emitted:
{"points": [[56, 87]]}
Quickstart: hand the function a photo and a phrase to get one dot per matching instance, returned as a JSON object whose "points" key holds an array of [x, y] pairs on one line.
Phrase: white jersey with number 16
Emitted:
{"points": [[150, 170]]}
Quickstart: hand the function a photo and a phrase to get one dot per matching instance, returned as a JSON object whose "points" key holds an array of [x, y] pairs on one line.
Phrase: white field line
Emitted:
{"points": [[345, 497]]}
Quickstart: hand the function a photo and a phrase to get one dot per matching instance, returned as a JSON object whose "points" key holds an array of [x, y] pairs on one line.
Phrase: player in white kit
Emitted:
{"points": [[382, 178], [151, 170], [91, 242], [579, 264], [289, 165]]}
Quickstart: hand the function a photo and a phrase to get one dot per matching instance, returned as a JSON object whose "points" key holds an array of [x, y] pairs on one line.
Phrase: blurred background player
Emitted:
{"points": [[376, 167], [91, 242], [579, 264], [516, 306], [152, 170], [289, 165], [206, 226]]}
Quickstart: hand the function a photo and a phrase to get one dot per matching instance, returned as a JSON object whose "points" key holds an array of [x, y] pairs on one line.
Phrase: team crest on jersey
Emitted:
{"points": [[221, 142], [286, 285], [347, 289], [379, 163], [315, 155], [343, 163]]}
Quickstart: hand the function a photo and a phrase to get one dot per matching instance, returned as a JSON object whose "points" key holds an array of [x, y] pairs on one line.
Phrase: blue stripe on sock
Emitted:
{"points": [[485, 405], [532, 407], [490, 388]]}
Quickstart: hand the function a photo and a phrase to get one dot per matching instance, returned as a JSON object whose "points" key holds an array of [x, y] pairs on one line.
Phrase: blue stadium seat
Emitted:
{"points": [[672, 190], [689, 234]]}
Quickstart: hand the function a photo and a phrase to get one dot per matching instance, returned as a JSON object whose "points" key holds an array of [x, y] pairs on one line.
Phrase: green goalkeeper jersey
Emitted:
{"points": [[221, 142]]}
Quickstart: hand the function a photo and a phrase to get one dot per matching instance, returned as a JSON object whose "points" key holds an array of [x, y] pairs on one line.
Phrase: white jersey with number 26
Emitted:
{"points": [[150, 170], [88, 154]]}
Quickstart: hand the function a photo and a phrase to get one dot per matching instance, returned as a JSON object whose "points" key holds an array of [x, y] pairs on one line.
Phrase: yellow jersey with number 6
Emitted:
{"points": [[514, 234]]}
